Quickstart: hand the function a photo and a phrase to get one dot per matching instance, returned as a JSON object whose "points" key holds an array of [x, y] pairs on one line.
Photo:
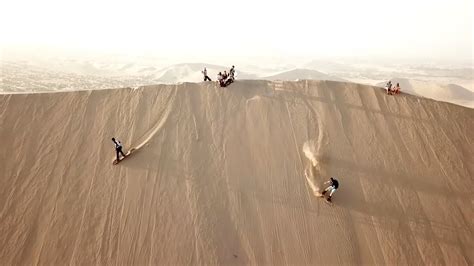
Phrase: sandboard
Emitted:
{"points": [[328, 202], [132, 150], [315, 188], [319, 195]]}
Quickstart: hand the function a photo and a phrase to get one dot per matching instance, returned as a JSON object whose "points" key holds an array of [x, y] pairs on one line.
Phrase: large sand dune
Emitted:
{"points": [[226, 176]]}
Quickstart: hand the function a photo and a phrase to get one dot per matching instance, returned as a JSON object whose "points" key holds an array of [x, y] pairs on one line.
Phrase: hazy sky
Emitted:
{"points": [[406, 28]]}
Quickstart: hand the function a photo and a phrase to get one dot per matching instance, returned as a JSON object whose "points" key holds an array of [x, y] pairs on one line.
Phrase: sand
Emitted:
{"points": [[438, 91], [226, 176]]}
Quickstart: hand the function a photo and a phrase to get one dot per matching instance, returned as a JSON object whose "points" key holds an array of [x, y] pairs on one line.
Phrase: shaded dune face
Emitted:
{"points": [[227, 176]]}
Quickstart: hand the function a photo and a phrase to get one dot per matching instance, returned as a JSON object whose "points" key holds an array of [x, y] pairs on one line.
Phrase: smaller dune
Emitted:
{"points": [[300, 74]]}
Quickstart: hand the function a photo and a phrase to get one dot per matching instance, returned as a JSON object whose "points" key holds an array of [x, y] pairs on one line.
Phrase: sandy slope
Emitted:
{"points": [[220, 176], [442, 92]]}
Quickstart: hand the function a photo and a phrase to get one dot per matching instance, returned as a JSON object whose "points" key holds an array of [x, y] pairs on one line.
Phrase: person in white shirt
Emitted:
{"points": [[220, 79], [206, 77]]}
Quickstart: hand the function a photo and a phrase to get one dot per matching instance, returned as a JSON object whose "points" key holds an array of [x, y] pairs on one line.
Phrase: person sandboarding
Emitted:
{"points": [[118, 150], [333, 185]]}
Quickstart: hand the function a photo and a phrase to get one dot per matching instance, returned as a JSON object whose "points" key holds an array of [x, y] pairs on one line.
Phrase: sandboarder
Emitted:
{"points": [[333, 185], [206, 77], [118, 149]]}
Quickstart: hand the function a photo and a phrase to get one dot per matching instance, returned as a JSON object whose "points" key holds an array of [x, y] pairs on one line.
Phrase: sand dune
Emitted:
{"points": [[299, 74], [226, 176], [71, 75]]}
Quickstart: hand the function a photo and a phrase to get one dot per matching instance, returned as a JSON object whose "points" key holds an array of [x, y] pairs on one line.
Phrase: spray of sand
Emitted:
{"points": [[313, 170]]}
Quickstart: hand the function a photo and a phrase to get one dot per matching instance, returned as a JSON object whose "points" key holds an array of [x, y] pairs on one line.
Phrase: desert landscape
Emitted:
{"points": [[452, 84], [228, 176], [236, 133]]}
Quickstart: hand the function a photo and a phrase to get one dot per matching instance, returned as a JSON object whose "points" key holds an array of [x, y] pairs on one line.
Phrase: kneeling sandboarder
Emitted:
{"points": [[333, 185]]}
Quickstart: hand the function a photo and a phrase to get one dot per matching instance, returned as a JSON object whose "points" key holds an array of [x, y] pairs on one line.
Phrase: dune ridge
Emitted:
{"points": [[227, 176], [441, 92]]}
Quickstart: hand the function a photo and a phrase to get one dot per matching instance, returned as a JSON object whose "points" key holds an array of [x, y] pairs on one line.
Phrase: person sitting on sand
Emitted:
{"points": [[228, 81], [396, 90], [231, 77], [388, 87], [224, 76], [118, 149], [220, 79], [333, 185], [206, 77]]}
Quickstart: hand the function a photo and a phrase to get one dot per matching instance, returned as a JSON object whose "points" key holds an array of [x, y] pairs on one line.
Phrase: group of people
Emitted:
{"points": [[333, 183], [223, 79], [391, 89]]}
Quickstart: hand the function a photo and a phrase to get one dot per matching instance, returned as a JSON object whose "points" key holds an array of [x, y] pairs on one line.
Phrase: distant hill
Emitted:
{"points": [[298, 74], [329, 66]]}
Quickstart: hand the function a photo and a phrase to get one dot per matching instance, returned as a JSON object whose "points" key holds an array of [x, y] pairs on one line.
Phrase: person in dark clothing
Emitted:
{"points": [[388, 87], [228, 81], [206, 77], [231, 77], [220, 80], [118, 149], [232, 72], [333, 185]]}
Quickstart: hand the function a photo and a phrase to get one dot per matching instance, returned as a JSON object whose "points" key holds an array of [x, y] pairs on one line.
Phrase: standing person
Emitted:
{"points": [[118, 149], [224, 76], [206, 77], [232, 72], [389, 87], [333, 185]]}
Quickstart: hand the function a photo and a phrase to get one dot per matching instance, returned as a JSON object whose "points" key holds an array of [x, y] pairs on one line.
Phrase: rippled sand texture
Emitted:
{"points": [[226, 176]]}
